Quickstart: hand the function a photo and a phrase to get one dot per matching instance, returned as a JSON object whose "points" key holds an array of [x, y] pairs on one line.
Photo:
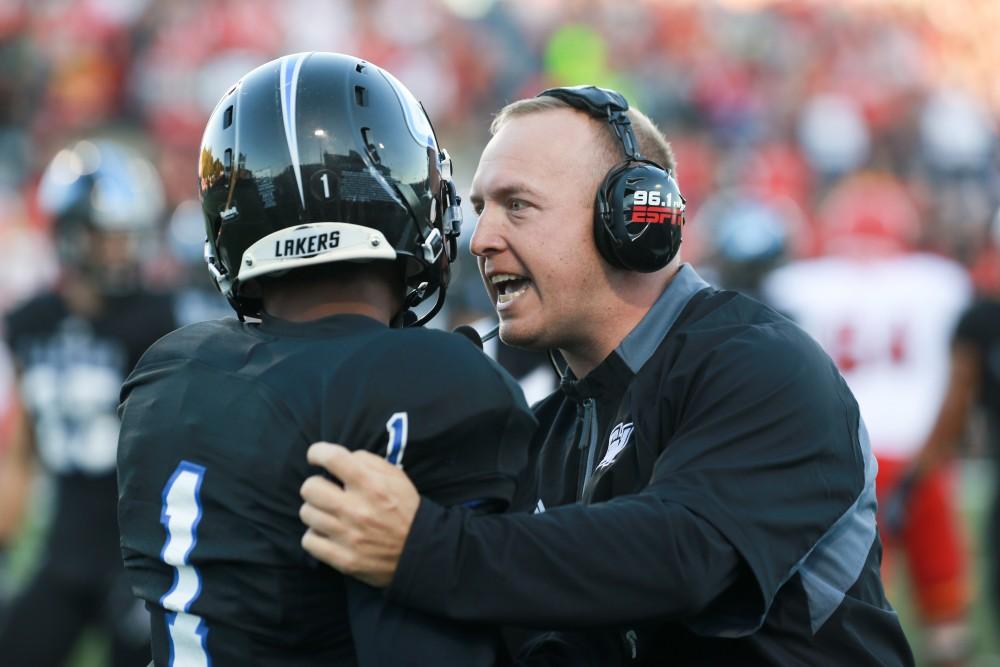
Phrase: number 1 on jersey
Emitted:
{"points": [[180, 516], [397, 426]]}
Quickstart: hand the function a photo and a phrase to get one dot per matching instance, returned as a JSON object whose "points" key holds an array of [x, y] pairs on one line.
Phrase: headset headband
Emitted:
{"points": [[638, 208], [601, 103]]}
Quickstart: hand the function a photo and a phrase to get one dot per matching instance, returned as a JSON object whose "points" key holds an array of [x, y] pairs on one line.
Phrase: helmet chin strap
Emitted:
{"points": [[404, 318], [407, 318], [438, 303]]}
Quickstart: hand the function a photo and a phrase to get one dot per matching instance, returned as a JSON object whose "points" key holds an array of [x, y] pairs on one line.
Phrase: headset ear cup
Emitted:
{"points": [[655, 219], [603, 235], [640, 189], [610, 231]]}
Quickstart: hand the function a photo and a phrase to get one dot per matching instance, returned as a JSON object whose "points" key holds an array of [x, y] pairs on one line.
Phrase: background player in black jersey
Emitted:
{"points": [[73, 346], [329, 212], [704, 486]]}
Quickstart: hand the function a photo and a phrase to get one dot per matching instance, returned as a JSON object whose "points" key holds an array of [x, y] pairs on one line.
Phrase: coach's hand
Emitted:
{"points": [[360, 527]]}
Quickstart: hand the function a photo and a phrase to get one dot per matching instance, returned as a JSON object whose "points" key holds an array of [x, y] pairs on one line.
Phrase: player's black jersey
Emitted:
{"points": [[217, 418], [70, 369]]}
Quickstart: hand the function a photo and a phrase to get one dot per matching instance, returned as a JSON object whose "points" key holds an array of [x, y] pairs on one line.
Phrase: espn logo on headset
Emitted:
{"points": [[648, 207]]}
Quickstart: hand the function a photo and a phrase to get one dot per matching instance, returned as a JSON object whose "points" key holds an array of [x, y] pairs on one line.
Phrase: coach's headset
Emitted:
{"points": [[639, 211], [633, 231]]}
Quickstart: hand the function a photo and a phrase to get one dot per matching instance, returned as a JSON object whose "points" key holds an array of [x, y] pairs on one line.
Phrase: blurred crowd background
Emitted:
{"points": [[785, 116]]}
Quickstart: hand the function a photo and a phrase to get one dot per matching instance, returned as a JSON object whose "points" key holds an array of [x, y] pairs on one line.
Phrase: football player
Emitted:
{"points": [[330, 212], [973, 383], [73, 346], [884, 312]]}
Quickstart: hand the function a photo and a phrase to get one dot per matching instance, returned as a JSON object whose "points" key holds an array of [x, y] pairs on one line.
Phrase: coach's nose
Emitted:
{"points": [[488, 237]]}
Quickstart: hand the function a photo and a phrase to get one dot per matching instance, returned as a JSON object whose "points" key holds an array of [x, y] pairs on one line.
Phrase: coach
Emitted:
{"points": [[703, 487]]}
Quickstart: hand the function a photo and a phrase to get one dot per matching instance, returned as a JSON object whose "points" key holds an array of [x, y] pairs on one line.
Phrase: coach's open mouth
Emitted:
{"points": [[509, 286]]}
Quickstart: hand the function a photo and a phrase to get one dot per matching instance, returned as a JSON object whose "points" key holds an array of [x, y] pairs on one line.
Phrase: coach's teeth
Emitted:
{"points": [[508, 285], [511, 289], [504, 277]]}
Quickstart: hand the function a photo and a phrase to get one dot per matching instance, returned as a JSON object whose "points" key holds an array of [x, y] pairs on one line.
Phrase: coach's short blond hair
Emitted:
{"points": [[652, 144]]}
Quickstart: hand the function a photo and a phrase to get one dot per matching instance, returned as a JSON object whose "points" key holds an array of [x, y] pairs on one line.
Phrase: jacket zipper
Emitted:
{"points": [[588, 439]]}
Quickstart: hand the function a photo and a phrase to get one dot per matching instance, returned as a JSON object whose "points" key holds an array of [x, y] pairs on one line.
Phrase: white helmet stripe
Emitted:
{"points": [[289, 83]]}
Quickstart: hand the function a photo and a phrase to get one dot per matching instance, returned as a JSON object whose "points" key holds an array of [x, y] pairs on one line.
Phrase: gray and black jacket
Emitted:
{"points": [[708, 491]]}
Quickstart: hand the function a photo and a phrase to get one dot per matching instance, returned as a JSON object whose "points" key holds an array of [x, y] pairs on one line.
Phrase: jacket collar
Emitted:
{"points": [[612, 374], [640, 343]]}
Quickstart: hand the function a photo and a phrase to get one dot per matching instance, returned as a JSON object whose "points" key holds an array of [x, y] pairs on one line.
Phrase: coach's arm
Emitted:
{"points": [[767, 460], [556, 572]]}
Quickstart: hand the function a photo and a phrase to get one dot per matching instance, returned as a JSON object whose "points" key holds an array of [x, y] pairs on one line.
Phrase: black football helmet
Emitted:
{"points": [[101, 187], [323, 157]]}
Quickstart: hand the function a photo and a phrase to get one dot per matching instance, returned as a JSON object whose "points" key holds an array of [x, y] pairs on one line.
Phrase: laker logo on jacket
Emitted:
{"points": [[620, 435]]}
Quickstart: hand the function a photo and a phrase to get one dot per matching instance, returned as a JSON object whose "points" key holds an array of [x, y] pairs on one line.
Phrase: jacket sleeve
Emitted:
{"points": [[763, 460], [390, 635], [572, 566]]}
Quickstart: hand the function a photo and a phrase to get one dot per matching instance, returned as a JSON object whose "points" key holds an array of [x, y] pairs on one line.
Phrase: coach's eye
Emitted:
{"points": [[516, 205]]}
